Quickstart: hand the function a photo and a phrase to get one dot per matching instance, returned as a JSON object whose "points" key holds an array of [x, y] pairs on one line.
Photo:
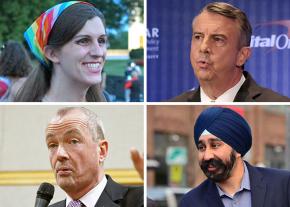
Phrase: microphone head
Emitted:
{"points": [[45, 191]]}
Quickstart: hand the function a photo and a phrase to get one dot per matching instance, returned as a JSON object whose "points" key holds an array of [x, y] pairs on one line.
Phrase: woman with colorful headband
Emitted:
{"points": [[70, 42]]}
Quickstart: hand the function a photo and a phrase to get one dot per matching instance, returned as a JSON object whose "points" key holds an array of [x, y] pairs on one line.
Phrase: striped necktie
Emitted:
{"points": [[76, 203]]}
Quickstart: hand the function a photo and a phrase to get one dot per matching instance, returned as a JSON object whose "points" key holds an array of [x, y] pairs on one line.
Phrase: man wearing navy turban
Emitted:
{"points": [[223, 137]]}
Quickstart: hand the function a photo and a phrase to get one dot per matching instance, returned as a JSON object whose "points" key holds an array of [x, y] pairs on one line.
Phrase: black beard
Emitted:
{"points": [[223, 169]]}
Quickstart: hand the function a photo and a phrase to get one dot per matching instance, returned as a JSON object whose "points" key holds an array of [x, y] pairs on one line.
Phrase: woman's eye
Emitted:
{"points": [[102, 41], [84, 41]]}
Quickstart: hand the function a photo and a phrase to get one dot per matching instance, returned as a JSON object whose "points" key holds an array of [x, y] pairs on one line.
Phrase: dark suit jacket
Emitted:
{"points": [[116, 195], [249, 92], [269, 188]]}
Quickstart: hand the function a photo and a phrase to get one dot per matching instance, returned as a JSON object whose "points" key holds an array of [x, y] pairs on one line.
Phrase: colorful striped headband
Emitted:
{"points": [[37, 34]]}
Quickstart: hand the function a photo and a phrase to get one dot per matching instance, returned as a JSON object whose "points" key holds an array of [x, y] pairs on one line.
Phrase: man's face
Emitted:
{"points": [[215, 49], [216, 158], [74, 156]]}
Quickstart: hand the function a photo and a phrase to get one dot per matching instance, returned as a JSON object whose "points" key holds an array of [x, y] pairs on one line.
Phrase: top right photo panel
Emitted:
{"points": [[230, 51]]}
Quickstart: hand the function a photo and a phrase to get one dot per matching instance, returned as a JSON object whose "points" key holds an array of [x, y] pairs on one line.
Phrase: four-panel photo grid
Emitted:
{"points": [[133, 103]]}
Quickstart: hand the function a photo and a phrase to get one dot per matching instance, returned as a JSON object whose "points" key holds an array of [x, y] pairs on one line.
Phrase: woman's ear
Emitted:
{"points": [[51, 54]]}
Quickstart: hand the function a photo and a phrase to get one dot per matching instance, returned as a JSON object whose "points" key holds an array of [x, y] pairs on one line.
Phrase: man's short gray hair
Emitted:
{"points": [[229, 11], [94, 122]]}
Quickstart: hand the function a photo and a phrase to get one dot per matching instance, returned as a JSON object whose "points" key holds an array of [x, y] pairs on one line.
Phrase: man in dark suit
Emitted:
{"points": [[250, 91], [223, 137], [77, 150], [220, 46]]}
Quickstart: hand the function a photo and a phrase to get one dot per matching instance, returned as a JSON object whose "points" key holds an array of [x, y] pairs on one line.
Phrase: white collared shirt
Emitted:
{"points": [[90, 199], [227, 96]]}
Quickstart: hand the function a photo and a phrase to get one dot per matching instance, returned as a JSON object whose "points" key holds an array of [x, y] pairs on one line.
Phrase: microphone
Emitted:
{"points": [[44, 195]]}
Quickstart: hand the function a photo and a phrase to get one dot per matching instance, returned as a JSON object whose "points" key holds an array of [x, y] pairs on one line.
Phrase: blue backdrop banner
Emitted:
{"points": [[169, 32]]}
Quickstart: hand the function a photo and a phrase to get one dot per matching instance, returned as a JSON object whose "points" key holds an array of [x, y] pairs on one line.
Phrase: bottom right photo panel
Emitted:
{"points": [[228, 155]]}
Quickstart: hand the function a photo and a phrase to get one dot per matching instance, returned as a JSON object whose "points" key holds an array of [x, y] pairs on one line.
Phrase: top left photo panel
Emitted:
{"points": [[72, 51]]}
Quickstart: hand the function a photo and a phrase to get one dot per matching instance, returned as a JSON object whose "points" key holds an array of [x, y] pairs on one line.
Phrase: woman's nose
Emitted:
{"points": [[97, 49]]}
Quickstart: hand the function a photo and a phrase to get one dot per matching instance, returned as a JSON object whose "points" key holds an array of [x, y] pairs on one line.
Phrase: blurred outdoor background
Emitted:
{"points": [[125, 28], [173, 167]]}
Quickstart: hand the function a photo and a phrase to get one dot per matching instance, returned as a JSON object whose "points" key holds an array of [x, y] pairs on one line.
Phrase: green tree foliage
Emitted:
{"points": [[17, 15], [112, 11], [134, 7], [119, 40]]}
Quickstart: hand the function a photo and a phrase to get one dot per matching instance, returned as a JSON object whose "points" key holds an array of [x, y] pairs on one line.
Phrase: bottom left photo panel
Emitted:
{"points": [[88, 155]]}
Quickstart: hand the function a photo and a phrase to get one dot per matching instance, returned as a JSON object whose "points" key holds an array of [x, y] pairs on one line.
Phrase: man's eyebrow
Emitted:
{"points": [[215, 139], [219, 35], [49, 135], [200, 142], [214, 34], [196, 32], [69, 132]]}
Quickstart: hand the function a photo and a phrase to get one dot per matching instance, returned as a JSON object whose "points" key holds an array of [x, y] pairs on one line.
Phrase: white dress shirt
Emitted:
{"points": [[227, 96], [91, 198]]}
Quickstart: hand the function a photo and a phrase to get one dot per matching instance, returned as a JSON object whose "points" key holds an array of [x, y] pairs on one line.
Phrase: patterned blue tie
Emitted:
{"points": [[76, 203]]}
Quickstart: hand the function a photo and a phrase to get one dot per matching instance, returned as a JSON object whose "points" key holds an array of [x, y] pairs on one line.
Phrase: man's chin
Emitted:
{"points": [[216, 176], [64, 183], [203, 76]]}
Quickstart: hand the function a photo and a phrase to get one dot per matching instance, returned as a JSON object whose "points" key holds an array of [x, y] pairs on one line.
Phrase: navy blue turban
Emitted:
{"points": [[227, 125]]}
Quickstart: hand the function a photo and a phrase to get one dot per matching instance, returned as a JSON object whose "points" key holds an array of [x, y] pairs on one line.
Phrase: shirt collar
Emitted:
{"points": [[90, 199], [245, 184], [227, 96]]}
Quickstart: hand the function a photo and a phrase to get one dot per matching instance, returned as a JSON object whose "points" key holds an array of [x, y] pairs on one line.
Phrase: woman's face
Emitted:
{"points": [[82, 58]]}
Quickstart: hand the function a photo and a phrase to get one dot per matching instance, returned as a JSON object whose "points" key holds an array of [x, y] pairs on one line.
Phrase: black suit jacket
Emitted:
{"points": [[116, 195], [250, 91], [269, 188]]}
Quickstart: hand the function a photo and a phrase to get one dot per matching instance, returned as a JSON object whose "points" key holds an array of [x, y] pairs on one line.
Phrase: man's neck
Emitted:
{"points": [[233, 183], [215, 88], [76, 192], [91, 198]]}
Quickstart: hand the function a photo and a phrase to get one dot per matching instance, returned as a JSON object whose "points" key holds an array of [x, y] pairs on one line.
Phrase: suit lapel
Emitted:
{"points": [[59, 204], [105, 200], [194, 96], [112, 195], [212, 197], [258, 186], [249, 91], [258, 190]]}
